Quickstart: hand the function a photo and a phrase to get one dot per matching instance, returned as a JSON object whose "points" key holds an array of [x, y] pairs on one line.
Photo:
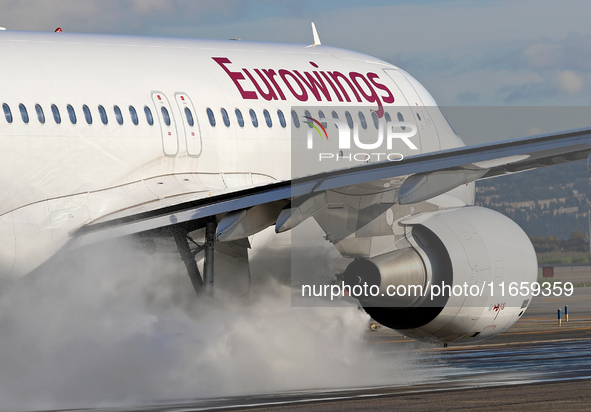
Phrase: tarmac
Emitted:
{"points": [[535, 365]]}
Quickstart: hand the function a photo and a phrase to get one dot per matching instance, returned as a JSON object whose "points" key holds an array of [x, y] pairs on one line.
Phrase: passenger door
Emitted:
{"points": [[170, 141], [190, 124]]}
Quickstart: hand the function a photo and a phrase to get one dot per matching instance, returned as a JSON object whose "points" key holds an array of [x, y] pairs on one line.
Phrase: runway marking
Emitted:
{"points": [[559, 329], [488, 345], [506, 333], [553, 318], [535, 342]]}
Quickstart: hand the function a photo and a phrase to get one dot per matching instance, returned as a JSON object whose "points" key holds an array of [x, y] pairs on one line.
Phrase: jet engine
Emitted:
{"points": [[456, 279]]}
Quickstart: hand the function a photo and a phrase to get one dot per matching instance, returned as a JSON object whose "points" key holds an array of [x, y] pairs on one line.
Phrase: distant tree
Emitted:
{"points": [[576, 242]]}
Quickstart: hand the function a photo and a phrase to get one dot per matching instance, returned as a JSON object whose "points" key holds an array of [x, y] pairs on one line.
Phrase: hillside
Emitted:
{"points": [[550, 201]]}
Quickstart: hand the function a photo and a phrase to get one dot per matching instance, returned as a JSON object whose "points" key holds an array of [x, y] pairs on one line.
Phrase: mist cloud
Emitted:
{"points": [[114, 326]]}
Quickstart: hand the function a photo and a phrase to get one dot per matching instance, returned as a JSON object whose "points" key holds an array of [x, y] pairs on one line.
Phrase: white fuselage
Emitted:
{"points": [[54, 178]]}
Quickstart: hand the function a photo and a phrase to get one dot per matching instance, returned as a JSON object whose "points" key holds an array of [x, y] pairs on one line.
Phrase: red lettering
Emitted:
{"points": [[303, 96], [372, 96], [318, 83], [387, 99], [270, 94], [334, 89], [235, 76], [335, 76], [270, 73], [314, 85]]}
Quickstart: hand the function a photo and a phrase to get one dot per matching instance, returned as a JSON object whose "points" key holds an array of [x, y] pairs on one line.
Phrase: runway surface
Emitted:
{"points": [[536, 364], [494, 377]]}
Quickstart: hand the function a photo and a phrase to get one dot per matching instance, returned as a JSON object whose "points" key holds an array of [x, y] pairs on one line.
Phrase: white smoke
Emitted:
{"points": [[115, 326]]}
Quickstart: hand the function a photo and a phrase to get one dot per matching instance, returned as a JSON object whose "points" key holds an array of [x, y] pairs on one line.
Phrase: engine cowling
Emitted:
{"points": [[471, 249]]}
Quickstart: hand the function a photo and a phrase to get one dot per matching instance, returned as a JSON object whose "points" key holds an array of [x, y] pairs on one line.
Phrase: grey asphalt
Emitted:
{"points": [[535, 365]]}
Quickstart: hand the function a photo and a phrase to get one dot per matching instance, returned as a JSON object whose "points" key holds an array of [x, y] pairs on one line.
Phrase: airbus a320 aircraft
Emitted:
{"points": [[108, 136]]}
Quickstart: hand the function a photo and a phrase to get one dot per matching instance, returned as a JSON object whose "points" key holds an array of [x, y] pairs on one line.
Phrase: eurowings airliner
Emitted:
{"points": [[103, 137]]}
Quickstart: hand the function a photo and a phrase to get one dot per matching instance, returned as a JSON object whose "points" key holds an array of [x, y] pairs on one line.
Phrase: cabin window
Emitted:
{"points": [[103, 114], [253, 117], [71, 113], [295, 119], [349, 119], [118, 114], [335, 115], [267, 118], [239, 117], [7, 113], [165, 115], [134, 118], [419, 117], [401, 119], [40, 114], [24, 113], [281, 118], [225, 117], [149, 117], [376, 121], [321, 116], [307, 114], [87, 114], [189, 117], [211, 117], [362, 120], [56, 114]]}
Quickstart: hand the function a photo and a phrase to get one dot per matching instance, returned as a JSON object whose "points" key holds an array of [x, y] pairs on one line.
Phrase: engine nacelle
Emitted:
{"points": [[460, 248]]}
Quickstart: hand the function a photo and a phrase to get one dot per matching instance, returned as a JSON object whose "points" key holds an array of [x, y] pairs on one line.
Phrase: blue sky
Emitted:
{"points": [[466, 52]]}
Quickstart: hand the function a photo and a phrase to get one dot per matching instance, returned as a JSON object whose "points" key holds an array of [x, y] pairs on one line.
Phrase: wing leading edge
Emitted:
{"points": [[422, 177]]}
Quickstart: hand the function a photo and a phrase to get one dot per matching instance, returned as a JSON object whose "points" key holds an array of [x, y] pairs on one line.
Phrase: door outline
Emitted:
{"points": [[170, 139], [192, 133]]}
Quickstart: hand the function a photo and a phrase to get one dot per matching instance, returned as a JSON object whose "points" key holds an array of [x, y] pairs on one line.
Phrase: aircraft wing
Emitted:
{"points": [[416, 179]]}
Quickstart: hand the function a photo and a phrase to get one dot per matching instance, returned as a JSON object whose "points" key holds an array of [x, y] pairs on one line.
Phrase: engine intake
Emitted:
{"points": [[456, 247]]}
